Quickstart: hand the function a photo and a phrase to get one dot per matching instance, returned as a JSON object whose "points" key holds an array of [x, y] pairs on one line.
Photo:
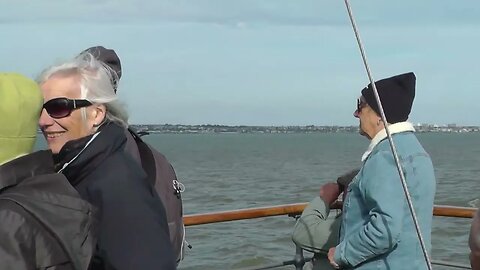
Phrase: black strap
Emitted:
{"points": [[146, 157]]}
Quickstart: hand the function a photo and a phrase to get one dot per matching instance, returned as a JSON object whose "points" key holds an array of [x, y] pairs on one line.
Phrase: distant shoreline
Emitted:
{"points": [[205, 129], [225, 129]]}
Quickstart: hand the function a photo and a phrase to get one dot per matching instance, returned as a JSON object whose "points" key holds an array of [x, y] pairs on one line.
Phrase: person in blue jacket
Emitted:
{"points": [[377, 230]]}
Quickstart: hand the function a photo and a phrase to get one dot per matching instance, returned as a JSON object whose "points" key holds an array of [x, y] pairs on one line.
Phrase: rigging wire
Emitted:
{"points": [[390, 139]]}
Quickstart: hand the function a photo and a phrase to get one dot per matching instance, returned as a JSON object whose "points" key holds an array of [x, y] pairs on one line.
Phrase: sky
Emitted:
{"points": [[258, 62]]}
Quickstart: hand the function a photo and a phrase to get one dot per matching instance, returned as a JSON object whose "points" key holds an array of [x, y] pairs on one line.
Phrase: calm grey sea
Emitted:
{"points": [[231, 171]]}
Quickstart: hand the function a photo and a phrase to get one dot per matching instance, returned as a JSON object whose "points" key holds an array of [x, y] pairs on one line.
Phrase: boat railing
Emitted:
{"points": [[294, 210]]}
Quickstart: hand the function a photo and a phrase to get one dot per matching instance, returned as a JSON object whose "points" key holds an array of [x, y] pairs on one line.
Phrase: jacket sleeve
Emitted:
{"points": [[133, 231], [316, 230], [16, 245], [383, 195], [474, 242]]}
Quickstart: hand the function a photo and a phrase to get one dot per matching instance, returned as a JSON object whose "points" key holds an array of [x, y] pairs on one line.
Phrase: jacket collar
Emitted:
{"points": [[77, 159], [77, 150], [15, 171], [382, 134]]}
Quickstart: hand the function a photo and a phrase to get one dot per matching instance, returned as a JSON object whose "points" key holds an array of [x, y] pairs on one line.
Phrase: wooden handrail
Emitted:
{"points": [[297, 209]]}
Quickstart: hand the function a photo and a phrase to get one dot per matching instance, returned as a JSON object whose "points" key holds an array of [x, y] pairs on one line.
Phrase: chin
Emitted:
{"points": [[55, 150], [54, 147], [364, 134], [360, 130]]}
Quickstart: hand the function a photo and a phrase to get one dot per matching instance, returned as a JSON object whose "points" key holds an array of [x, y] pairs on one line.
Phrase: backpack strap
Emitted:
{"points": [[146, 157], [163, 178]]}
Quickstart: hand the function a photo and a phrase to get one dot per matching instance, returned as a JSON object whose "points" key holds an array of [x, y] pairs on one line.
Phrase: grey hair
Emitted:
{"points": [[95, 84]]}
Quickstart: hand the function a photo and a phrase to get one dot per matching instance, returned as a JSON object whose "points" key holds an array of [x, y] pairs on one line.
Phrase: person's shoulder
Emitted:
{"points": [[122, 163], [120, 171], [47, 179], [13, 217], [41, 184], [380, 155]]}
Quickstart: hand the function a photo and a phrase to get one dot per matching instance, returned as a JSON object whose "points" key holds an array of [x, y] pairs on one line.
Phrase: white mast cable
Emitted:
{"points": [[392, 145]]}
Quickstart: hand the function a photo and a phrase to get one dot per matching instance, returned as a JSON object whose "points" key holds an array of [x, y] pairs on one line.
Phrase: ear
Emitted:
{"points": [[98, 114]]}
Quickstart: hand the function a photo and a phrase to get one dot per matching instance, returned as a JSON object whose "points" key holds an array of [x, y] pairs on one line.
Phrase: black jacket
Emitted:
{"points": [[133, 231], [43, 222]]}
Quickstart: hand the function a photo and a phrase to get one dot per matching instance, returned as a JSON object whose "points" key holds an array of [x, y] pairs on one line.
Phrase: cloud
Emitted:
{"points": [[286, 62], [306, 12]]}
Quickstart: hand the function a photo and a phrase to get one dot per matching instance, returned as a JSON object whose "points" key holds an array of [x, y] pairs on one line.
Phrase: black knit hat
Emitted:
{"points": [[396, 94], [111, 59]]}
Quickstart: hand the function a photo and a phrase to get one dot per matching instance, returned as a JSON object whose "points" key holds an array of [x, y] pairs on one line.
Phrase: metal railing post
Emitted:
{"points": [[299, 260]]}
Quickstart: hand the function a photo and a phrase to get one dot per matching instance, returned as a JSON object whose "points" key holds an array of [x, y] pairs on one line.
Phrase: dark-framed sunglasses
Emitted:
{"points": [[360, 104], [63, 107]]}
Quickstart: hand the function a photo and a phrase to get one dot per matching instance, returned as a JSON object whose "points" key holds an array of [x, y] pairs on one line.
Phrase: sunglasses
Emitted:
{"points": [[360, 104], [63, 107]]}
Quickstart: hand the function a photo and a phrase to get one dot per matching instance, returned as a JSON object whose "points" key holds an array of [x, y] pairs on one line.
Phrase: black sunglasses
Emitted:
{"points": [[63, 107], [360, 104]]}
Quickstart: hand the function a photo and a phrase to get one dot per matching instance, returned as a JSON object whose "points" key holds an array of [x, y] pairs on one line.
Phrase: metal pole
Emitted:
{"points": [[451, 264], [392, 145], [299, 259], [277, 265]]}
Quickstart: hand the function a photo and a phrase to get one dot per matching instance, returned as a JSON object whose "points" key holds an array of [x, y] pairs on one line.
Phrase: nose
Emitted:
{"points": [[355, 113], [45, 120]]}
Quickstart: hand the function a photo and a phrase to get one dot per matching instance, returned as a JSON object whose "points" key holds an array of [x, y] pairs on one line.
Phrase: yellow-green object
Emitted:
{"points": [[21, 102]]}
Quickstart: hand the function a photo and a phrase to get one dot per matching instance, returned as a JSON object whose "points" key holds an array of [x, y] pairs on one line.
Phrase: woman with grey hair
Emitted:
{"points": [[84, 125]]}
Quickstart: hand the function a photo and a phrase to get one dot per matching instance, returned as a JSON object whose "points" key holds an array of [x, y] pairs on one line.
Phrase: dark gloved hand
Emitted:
{"points": [[344, 180], [329, 192]]}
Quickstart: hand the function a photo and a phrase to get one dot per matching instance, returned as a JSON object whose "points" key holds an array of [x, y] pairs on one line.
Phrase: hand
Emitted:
{"points": [[329, 192], [331, 253], [345, 179]]}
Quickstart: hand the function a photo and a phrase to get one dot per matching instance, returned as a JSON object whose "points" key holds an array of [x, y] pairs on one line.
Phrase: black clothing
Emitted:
{"points": [[133, 231], [44, 224]]}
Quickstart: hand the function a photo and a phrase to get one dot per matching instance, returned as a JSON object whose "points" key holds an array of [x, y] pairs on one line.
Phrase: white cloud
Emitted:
{"points": [[300, 12], [255, 53]]}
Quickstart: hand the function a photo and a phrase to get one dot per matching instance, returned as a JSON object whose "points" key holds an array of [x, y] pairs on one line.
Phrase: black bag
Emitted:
{"points": [[162, 176]]}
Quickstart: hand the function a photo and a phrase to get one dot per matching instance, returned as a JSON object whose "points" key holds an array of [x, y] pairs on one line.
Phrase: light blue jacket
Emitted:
{"points": [[377, 229]]}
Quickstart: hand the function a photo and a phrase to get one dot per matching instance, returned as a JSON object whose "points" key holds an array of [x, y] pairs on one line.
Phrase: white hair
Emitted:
{"points": [[95, 84]]}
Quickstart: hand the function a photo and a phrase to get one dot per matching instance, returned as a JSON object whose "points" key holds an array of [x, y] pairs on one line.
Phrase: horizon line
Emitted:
{"points": [[297, 125]]}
